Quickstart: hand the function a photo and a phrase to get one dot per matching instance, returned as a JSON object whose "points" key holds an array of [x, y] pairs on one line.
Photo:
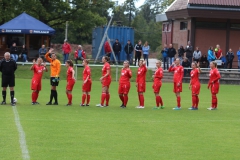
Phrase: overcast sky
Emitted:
{"points": [[138, 4]]}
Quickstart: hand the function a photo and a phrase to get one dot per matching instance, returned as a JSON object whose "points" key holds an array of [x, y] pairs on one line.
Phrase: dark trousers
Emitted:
{"points": [[190, 60], [129, 58], [165, 62], [230, 64], [137, 57], [117, 55], [196, 60], [145, 57]]}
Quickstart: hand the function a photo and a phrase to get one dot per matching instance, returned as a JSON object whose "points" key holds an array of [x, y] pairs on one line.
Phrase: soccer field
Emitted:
{"points": [[73, 133]]}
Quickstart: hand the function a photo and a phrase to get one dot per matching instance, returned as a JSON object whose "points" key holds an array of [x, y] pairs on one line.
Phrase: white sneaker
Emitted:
{"points": [[99, 105], [210, 108], [140, 107]]}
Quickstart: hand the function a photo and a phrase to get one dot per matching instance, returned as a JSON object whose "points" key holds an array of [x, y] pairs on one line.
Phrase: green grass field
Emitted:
{"points": [[73, 133]]}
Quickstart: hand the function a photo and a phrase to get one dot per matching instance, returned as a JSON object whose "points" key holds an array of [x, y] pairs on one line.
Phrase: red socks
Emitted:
{"points": [[214, 101], [69, 98], [103, 97], [88, 98], [83, 98], [34, 96], [107, 98], [141, 99], [159, 101], [178, 101], [125, 100], [121, 98]]}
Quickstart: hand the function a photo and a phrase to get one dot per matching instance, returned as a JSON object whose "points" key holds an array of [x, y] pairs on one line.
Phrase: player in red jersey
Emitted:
{"points": [[177, 81], [141, 82], [214, 84], [124, 84], [87, 83], [157, 83], [195, 85], [106, 81], [36, 84], [70, 81]]}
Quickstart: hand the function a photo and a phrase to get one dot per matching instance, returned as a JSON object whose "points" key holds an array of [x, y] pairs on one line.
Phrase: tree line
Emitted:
{"points": [[84, 15]]}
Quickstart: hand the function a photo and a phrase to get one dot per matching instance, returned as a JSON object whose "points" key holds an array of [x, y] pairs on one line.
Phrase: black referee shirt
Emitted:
{"points": [[8, 67]]}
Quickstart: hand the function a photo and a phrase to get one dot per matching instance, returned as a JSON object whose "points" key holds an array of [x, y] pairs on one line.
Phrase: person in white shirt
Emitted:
{"points": [[197, 55]]}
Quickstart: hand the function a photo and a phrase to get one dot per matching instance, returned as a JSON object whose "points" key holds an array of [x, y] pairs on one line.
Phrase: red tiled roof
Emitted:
{"points": [[216, 2]]}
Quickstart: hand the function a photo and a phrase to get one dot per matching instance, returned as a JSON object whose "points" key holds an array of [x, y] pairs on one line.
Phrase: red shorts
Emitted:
{"points": [[70, 85], [86, 87], [124, 88], [196, 88], [106, 83], [141, 87], [215, 88], [177, 88], [156, 87], [36, 85]]}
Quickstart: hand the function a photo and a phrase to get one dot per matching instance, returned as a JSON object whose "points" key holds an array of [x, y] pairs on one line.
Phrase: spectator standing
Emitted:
{"points": [[42, 51], [117, 47], [66, 50], [181, 52], [8, 68], [138, 51], [145, 50], [229, 58], [171, 53], [128, 50], [211, 56], [218, 52], [224, 62], [107, 49], [186, 64], [204, 61], [14, 52], [79, 54], [24, 53], [197, 55], [238, 54], [165, 56], [189, 52]]}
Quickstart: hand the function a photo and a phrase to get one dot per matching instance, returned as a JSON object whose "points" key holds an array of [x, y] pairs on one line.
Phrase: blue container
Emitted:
{"points": [[123, 34]]}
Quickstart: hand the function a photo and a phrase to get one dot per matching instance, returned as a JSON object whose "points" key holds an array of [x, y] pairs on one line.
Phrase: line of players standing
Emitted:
{"points": [[8, 67]]}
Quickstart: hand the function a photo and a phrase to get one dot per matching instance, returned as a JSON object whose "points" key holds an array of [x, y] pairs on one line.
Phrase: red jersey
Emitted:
{"points": [[69, 73], [194, 76], [158, 75], [214, 76], [141, 74], [86, 73], [38, 72], [105, 68], [126, 75], [178, 73], [218, 53]]}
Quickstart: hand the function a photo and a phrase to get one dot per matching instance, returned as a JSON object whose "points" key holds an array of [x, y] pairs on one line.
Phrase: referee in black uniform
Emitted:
{"points": [[8, 66]]}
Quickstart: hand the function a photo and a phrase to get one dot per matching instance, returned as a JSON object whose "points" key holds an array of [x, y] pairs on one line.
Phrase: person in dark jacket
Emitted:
{"points": [[14, 52], [138, 51], [171, 53], [24, 53], [189, 52], [204, 61], [181, 52], [117, 47], [8, 67], [186, 64], [165, 56], [41, 52], [128, 50], [229, 58]]}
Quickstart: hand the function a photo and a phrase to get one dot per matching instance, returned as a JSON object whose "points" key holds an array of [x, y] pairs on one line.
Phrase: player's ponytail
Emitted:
{"points": [[107, 58], [70, 63]]}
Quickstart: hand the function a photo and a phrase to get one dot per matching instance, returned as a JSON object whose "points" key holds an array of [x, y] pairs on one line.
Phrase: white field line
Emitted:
{"points": [[22, 140]]}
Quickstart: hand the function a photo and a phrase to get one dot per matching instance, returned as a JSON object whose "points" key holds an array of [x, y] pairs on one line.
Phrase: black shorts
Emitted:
{"points": [[8, 80], [54, 81]]}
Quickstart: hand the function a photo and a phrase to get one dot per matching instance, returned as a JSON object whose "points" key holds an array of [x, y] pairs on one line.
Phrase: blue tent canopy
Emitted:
{"points": [[26, 24]]}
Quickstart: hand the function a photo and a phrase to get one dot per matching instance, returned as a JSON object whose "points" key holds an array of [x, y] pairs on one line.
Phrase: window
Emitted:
{"points": [[235, 26], [183, 25], [165, 27]]}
